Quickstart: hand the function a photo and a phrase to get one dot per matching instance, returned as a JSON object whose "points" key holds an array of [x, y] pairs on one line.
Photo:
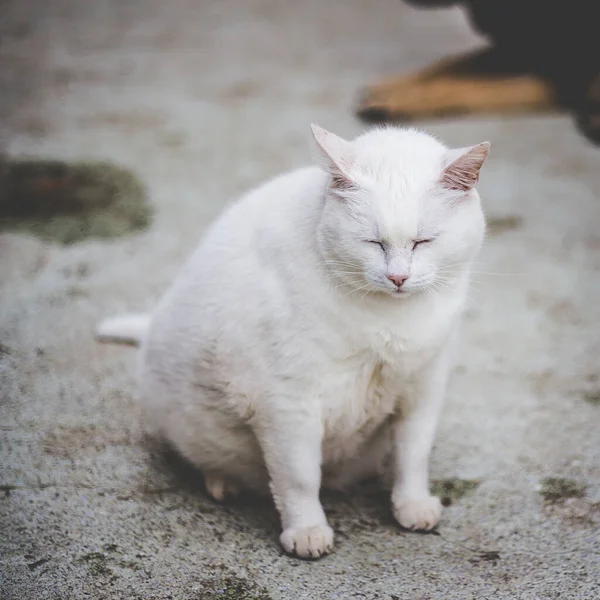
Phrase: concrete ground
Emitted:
{"points": [[203, 100]]}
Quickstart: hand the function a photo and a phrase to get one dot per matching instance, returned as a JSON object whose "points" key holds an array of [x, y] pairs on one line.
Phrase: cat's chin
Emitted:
{"points": [[403, 293], [397, 294]]}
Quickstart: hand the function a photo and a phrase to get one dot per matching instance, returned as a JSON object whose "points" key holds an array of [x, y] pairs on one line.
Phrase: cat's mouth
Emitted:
{"points": [[404, 292], [399, 292]]}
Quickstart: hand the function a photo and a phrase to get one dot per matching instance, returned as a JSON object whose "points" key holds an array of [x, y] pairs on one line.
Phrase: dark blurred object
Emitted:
{"points": [[543, 55], [68, 202]]}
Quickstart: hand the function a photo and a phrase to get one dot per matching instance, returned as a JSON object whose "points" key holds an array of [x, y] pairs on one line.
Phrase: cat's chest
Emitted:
{"points": [[373, 366], [357, 398], [366, 386], [360, 392]]}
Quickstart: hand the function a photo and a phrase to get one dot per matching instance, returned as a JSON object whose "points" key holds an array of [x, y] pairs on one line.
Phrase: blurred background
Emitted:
{"points": [[125, 127]]}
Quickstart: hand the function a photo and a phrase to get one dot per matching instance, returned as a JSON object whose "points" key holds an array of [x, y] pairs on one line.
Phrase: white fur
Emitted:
{"points": [[127, 329], [283, 355]]}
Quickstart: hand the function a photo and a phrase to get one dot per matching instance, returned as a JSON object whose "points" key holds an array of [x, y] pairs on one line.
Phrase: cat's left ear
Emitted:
{"points": [[339, 156], [463, 166]]}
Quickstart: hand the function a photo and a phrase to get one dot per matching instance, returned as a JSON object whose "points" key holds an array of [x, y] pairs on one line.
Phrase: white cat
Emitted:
{"points": [[310, 333]]}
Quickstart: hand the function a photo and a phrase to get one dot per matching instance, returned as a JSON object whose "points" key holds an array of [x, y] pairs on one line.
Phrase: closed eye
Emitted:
{"points": [[419, 242], [376, 243]]}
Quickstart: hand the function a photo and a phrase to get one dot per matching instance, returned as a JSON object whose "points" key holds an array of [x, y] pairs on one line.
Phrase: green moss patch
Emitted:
{"points": [[452, 489], [67, 203], [232, 587], [500, 225], [96, 563], [556, 490], [592, 397], [100, 563]]}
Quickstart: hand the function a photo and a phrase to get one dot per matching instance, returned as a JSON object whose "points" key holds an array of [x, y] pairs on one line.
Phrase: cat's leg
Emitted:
{"points": [[291, 442], [487, 81], [413, 505], [220, 487]]}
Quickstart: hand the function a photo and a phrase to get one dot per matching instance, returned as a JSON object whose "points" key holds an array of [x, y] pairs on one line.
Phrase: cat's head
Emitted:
{"points": [[401, 215]]}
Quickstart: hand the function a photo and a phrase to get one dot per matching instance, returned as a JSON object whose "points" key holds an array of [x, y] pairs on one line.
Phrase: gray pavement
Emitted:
{"points": [[203, 99]]}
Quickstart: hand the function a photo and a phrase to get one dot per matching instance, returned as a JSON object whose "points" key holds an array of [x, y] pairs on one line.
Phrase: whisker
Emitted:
{"points": [[441, 285], [449, 269], [342, 263]]}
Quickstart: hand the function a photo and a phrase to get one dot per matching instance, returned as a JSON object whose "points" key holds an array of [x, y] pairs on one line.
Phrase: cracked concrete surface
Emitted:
{"points": [[201, 100]]}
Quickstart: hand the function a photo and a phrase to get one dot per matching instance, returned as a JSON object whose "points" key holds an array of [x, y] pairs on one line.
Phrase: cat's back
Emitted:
{"points": [[238, 264], [278, 203], [257, 232]]}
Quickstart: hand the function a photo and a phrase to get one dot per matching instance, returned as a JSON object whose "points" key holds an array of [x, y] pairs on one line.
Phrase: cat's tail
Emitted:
{"points": [[127, 329]]}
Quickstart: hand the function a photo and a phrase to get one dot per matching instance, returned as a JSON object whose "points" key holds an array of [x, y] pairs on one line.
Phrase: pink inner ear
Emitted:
{"points": [[463, 173], [339, 157], [339, 181]]}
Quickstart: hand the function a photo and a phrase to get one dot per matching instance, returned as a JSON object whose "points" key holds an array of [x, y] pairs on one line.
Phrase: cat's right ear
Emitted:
{"points": [[338, 153], [462, 172]]}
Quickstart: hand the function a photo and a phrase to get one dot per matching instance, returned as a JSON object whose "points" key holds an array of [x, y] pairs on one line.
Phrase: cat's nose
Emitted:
{"points": [[398, 279]]}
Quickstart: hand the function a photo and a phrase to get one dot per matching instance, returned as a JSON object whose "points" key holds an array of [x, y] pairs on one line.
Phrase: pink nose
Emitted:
{"points": [[398, 279]]}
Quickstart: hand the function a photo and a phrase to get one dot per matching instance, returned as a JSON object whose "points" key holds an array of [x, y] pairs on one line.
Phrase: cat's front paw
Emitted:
{"points": [[417, 513], [308, 542]]}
